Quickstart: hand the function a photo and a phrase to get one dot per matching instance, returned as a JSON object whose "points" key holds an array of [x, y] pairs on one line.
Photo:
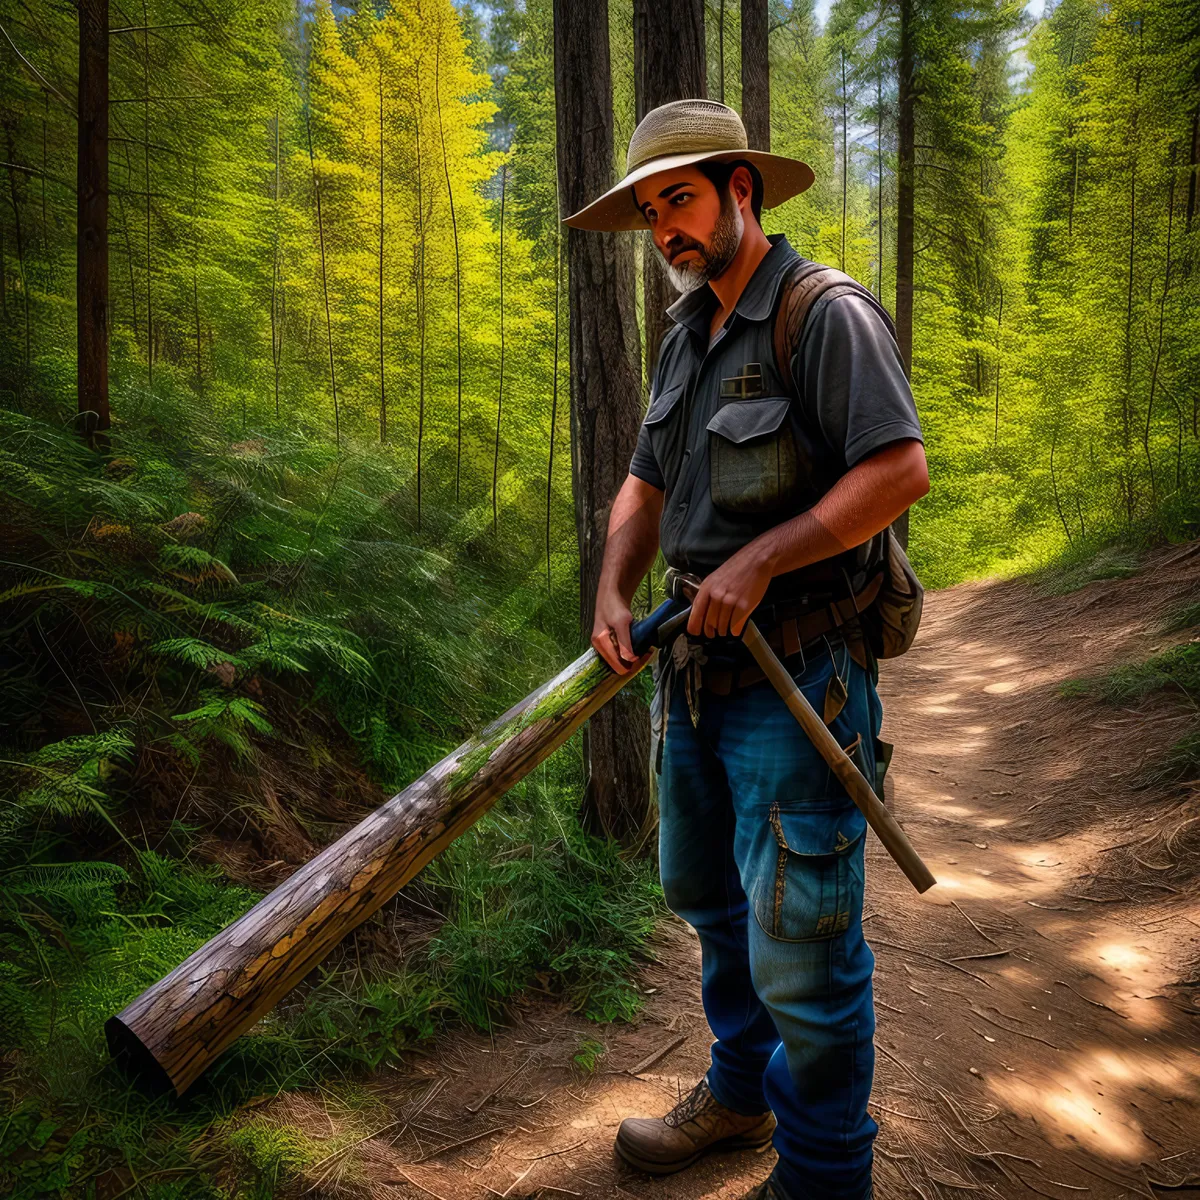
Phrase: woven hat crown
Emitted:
{"points": [[685, 127]]}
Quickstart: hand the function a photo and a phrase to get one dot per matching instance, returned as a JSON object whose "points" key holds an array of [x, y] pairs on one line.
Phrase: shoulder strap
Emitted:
{"points": [[804, 285]]}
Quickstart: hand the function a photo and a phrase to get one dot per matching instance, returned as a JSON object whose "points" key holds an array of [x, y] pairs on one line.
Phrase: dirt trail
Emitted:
{"points": [[1036, 1033]]}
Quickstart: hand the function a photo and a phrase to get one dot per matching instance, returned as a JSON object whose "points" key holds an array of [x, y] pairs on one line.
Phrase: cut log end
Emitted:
{"points": [[135, 1061]]}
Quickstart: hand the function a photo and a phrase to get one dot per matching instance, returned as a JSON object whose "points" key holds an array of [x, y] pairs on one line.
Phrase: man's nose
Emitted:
{"points": [[669, 240]]}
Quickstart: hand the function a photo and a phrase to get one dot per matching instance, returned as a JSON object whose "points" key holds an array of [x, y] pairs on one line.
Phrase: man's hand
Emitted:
{"points": [[628, 554], [870, 496], [610, 633], [731, 593]]}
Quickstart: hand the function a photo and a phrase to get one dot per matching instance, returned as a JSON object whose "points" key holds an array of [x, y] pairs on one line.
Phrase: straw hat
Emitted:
{"points": [[676, 135]]}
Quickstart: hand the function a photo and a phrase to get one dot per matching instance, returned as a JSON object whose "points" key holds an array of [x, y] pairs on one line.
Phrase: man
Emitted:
{"points": [[773, 500]]}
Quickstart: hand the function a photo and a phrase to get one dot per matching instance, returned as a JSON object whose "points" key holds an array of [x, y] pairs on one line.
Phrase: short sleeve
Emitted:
{"points": [[854, 382], [644, 465]]}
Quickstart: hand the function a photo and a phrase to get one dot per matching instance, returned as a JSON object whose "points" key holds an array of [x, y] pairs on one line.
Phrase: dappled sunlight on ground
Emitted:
{"points": [[1092, 1098]]}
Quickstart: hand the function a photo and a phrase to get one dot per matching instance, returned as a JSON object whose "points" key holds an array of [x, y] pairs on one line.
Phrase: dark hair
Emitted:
{"points": [[719, 172]]}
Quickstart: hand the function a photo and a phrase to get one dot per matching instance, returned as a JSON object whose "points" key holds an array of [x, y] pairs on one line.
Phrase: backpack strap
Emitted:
{"points": [[801, 289], [804, 285]]}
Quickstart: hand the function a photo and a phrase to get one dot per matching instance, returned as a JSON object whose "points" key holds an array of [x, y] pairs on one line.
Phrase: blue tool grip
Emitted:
{"points": [[644, 633]]}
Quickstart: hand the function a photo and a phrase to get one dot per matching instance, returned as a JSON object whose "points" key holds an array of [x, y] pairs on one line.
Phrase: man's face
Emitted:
{"points": [[696, 230]]}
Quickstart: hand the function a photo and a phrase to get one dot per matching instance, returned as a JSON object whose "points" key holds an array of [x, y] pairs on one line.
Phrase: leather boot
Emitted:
{"points": [[697, 1124]]}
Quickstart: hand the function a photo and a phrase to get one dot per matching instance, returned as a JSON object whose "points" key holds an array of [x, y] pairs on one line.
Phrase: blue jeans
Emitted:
{"points": [[761, 852]]}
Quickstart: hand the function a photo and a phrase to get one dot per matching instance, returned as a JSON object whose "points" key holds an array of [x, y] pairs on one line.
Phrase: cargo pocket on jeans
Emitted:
{"points": [[752, 456], [816, 885]]}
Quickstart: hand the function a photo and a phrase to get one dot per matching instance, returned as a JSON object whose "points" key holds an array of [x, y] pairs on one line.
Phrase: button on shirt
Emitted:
{"points": [[854, 399]]}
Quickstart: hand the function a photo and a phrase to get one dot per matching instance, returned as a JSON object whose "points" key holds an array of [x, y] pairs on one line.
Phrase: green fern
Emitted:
{"points": [[80, 888], [195, 564], [194, 653], [227, 719]]}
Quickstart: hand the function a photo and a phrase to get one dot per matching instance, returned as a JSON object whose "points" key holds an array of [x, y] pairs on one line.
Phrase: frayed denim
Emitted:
{"points": [[761, 852]]}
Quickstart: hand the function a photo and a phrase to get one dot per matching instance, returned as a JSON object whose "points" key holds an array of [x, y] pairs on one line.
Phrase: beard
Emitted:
{"points": [[713, 259]]}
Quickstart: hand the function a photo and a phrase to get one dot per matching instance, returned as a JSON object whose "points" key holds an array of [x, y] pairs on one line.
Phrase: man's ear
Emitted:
{"points": [[743, 189]]}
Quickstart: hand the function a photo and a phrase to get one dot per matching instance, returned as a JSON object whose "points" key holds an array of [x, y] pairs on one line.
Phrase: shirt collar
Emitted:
{"points": [[694, 309]]}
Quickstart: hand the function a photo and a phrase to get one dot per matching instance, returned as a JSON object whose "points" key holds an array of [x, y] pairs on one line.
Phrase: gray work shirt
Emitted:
{"points": [[735, 465]]}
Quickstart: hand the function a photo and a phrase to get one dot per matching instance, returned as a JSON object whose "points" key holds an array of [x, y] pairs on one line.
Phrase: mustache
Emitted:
{"points": [[674, 251]]}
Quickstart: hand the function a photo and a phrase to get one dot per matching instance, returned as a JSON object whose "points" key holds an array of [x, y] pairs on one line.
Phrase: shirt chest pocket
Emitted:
{"points": [[753, 460]]}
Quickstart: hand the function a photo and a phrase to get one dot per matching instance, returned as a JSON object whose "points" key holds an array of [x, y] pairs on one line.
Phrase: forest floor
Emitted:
{"points": [[1038, 1010]]}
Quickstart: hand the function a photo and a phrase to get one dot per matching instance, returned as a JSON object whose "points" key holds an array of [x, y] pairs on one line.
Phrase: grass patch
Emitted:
{"points": [[1175, 670], [1181, 764], [1080, 567], [1187, 617]]}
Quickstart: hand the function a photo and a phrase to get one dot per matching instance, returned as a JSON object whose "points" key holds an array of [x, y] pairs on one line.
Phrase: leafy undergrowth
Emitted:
{"points": [[219, 651]]}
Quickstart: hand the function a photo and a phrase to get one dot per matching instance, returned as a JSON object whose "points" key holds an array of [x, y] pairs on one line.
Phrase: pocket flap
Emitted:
{"points": [[817, 831], [661, 405], [741, 420]]}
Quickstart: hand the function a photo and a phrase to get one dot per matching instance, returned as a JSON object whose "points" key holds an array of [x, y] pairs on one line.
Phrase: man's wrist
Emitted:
{"points": [[765, 553], [609, 590]]}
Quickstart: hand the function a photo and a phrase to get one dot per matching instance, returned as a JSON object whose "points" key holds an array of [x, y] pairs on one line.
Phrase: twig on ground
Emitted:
{"points": [[933, 958], [895, 1112], [1089, 1000], [1033, 1037], [474, 1108], [657, 1056], [989, 954], [461, 1142], [419, 1186], [972, 924], [554, 1153]]}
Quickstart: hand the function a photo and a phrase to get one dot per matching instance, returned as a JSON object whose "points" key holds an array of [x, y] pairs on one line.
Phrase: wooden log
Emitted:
{"points": [[172, 1032]]}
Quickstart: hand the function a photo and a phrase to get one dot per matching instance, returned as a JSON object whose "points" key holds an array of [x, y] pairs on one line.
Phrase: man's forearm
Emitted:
{"points": [[632, 540], [869, 497]]}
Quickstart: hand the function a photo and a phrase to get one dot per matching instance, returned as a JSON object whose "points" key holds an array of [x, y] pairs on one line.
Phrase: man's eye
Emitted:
{"points": [[680, 196]]}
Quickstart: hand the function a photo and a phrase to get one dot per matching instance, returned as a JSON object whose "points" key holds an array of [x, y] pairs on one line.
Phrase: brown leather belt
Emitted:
{"points": [[789, 636]]}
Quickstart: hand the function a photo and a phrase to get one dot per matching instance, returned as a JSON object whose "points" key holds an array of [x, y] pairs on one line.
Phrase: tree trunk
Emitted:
{"points": [[437, 91], [420, 293], [879, 165], [382, 361], [146, 160], [500, 384], [20, 239], [845, 159], [605, 385], [316, 182], [669, 64], [906, 129], [905, 159], [756, 75], [276, 316], [171, 1033], [91, 269], [1193, 169]]}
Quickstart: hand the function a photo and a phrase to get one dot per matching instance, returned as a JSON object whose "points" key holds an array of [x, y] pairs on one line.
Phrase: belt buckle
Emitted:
{"points": [[676, 581]]}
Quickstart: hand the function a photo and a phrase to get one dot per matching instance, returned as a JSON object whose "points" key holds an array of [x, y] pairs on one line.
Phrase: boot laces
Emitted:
{"points": [[696, 1102]]}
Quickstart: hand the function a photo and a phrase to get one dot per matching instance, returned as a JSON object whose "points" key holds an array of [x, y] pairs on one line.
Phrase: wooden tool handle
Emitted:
{"points": [[894, 838]]}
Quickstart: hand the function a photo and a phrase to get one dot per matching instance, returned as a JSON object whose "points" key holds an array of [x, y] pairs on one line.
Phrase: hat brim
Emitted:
{"points": [[782, 179]]}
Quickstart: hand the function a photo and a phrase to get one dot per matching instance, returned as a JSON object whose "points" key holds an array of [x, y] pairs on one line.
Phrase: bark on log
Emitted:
{"points": [[172, 1032]]}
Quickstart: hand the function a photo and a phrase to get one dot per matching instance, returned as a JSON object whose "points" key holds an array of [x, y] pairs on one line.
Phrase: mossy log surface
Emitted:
{"points": [[172, 1032]]}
